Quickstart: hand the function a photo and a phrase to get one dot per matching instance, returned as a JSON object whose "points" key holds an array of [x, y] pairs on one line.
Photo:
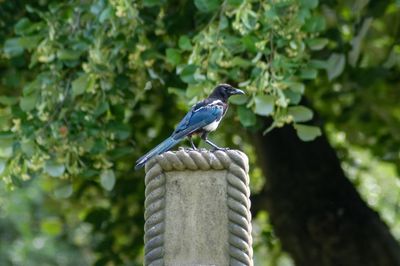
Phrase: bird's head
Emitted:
{"points": [[224, 91]]}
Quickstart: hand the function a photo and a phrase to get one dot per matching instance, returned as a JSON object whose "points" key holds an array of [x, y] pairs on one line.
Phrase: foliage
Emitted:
{"points": [[32, 231], [89, 86], [366, 38], [262, 47], [90, 65]]}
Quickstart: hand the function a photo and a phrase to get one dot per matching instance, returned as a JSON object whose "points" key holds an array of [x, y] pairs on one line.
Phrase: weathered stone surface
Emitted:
{"points": [[196, 221]]}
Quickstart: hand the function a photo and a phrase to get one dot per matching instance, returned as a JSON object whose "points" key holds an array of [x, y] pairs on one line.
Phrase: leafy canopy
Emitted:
{"points": [[90, 67]]}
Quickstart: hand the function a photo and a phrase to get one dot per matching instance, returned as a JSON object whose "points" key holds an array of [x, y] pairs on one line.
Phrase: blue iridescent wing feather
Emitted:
{"points": [[197, 118]]}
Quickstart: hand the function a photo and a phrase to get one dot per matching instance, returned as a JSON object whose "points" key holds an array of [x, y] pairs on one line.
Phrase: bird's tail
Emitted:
{"points": [[160, 148]]}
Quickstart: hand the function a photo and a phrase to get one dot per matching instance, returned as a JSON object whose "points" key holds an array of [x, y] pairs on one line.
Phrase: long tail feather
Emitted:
{"points": [[160, 148]]}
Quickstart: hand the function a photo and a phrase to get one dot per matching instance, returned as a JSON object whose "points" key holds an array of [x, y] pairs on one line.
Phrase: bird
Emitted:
{"points": [[203, 118]]}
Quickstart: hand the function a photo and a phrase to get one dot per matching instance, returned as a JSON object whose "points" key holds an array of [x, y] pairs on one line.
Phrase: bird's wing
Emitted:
{"points": [[198, 117], [185, 121]]}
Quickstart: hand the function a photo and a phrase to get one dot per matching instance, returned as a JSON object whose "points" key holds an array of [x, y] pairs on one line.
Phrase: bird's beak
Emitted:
{"points": [[237, 91]]}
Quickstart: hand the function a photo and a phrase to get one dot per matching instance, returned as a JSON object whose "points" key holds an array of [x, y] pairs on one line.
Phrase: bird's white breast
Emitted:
{"points": [[212, 126]]}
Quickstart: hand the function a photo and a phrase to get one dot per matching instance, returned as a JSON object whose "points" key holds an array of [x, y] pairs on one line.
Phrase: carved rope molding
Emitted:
{"points": [[239, 216]]}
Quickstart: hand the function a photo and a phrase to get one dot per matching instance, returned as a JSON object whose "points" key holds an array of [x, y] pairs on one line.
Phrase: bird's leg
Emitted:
{"points": [[204, 137], [191, 142]]}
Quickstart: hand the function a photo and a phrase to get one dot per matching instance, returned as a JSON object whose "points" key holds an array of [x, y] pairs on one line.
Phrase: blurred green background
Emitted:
{"points": [[86, 87]]}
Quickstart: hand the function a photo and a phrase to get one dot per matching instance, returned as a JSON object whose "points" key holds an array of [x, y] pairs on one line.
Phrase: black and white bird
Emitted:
{"points": [[203, 118]]}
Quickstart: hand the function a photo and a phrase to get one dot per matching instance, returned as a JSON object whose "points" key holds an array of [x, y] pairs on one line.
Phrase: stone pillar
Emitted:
{"points": [[198, 209]]}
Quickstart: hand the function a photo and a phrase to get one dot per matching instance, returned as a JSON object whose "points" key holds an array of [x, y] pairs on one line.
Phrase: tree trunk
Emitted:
{"points": [[316, 212]]}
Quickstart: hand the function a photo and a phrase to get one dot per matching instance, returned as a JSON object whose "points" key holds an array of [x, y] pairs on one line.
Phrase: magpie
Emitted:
{"points": [[203, 118]]}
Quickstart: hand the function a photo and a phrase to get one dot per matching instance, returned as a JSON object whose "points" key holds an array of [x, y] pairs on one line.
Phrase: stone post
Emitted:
{"points": [[198, 209]]}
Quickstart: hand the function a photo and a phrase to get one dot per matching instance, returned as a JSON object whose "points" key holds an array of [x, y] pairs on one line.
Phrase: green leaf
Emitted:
{"points": [[192, 91], [184, 43], [307, 133], [63, 192], [294, 97], [12, 47], [2, 165], [249, 20], [300, 113], [106, 14], [315, 24], [249, 43], [223, 23], [6, 147], [51, 226], [297, 87], [309, 3], [101, 108], [107, 179], [6, 152], [358, 41], [239, 62], [317, 43], [173, 56], [21, 25], [32, 87], [54, 169], [234, 3], [335, 65], [28, 147], [28, 103], [308, 73], [82, 84], [29, 42], [239, 99], [8, 100], [207, 6], [264, 104], [246, 117], [318, 64], [16, 181], [187, 74], [25, 27], [67, 55]]}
